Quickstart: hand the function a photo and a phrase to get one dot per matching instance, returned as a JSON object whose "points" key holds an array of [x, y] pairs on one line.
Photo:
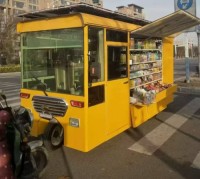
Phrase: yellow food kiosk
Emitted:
{"points": [[97, 71]]}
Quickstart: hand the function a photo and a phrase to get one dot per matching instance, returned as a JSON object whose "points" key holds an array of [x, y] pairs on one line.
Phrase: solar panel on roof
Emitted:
{"points": [[83, 8]]}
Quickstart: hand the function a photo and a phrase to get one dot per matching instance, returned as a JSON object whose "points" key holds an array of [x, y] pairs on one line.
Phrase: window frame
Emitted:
{"points": [[52, 47]]}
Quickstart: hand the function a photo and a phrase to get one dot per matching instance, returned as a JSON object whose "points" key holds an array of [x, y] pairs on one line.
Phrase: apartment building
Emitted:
{"points": [[13, 7], [132, 10], [8, 9]]}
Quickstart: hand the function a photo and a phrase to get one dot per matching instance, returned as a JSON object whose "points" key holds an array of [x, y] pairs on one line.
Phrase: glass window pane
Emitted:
{"points": [[116, 36], [2, 1], [54, 39], [117, 62], [54, 59], [96, 54], [19, 4], [96, 95]]}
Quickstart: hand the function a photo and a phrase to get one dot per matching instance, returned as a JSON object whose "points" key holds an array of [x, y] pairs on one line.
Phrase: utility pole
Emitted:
{"points": [[187, 61], [198, 37]]}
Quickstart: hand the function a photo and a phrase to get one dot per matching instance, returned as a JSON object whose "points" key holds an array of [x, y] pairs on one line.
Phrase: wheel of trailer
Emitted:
{"points": [[54, 136]]}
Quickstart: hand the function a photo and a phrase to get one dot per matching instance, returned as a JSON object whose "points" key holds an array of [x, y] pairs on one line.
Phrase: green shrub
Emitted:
{"points": [[10, 68]]}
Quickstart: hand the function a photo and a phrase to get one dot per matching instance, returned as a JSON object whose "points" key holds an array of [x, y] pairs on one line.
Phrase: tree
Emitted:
{"points": [[8, 39]]}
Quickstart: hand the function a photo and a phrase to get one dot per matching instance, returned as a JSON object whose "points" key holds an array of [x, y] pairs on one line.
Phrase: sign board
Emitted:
{"points": [[188, 6]]}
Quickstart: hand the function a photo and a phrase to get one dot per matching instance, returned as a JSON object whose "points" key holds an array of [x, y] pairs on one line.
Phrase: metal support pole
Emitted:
{"points": [[187, 70], [187, 61], [198, 36], [175, 50]]}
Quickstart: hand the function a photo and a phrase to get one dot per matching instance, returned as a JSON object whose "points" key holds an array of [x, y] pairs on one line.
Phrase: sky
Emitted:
{"points": [[153, 9]]}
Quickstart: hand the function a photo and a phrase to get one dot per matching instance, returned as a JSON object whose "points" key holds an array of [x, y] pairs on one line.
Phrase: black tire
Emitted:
{"points": [[53, 139], [40, 156], [35, 168]]}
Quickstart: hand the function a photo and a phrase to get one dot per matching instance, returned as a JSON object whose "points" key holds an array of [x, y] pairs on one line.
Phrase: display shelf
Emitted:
{"points": [[132, 71], [139, 104], [146, 50], [146, 83], [145, 75], [154, 61], [145, 69]]}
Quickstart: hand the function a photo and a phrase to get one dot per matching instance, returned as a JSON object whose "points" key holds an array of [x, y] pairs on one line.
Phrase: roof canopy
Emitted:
{"points": [[170, 25], [83, 8]]}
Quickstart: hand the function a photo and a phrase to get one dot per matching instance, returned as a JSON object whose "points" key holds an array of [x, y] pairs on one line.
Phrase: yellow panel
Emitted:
{"points": [[84, 136], [96, 125], [108, 23], [76, 20], [117, 105], [165, 93], [48, 24], [168, 61], [138, 115]]}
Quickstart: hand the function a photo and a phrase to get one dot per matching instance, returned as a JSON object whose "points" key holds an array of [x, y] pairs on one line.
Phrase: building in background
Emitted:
{"points": [[57, 3], [132, 10], [13, 7], [9, 40]]}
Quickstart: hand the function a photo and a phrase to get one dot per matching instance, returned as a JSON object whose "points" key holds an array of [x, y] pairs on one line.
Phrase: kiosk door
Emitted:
{"points": [[117, 88]]}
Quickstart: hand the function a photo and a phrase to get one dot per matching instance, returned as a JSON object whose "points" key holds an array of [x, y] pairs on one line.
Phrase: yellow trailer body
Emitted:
{"points": [[84, 62]]}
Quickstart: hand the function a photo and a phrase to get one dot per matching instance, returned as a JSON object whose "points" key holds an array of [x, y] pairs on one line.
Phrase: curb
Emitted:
{"points": [[10, 73], [188, 90]]}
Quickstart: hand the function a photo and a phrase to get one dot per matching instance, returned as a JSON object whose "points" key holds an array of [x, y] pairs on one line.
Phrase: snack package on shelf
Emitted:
{"points": [[142, 96], [149, 97], [147, 94]]}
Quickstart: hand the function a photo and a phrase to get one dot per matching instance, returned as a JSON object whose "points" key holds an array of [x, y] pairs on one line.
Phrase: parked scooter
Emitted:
{"points": [[28, 158]]}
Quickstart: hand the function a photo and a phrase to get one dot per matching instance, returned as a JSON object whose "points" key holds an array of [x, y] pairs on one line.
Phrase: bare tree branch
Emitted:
{"points": [[8, 37]]}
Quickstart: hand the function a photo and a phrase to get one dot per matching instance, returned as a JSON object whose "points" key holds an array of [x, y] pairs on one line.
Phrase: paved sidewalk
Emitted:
{"points": [[189, 88]]}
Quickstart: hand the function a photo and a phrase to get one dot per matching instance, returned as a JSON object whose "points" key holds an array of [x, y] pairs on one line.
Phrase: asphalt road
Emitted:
{"points": [[173, 159], [171, 148], [11, 78]]}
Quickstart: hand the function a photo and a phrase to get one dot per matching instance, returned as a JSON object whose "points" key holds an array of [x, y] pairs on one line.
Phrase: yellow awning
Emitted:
{"points": [[170, 25]]}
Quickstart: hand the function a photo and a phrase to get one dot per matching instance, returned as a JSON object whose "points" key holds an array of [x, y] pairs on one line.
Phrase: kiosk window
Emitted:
{"points": [[96, 71], [54, 58], [117, 62], [96, 55], [96, 95], [116, 36]]}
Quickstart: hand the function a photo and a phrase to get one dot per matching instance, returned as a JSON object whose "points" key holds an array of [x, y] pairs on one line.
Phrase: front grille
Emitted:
{"points": [[55, 106]]}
